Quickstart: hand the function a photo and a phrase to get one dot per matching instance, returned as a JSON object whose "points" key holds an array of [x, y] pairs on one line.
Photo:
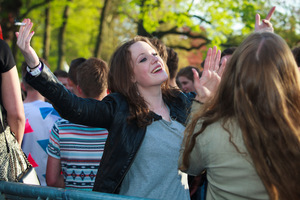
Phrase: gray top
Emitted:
{"points": [[230, 174], [154, 173]]}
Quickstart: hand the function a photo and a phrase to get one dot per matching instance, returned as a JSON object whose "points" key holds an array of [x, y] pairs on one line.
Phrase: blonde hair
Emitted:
{"points": [[260, 88]]}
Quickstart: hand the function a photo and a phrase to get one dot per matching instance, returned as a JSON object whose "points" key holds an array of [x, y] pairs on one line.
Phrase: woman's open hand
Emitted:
{"points": [[23, 42], [207, 85]]}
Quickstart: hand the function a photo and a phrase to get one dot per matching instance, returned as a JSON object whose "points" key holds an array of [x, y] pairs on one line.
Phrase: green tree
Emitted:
{"points": [[93, 29], [161, 18]]}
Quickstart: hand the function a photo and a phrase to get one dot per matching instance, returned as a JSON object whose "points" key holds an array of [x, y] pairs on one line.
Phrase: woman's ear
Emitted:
{"points": [[133, 79]]}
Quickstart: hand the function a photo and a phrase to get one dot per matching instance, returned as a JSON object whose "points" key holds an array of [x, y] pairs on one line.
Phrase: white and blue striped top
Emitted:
{"points": [[79, 149]]}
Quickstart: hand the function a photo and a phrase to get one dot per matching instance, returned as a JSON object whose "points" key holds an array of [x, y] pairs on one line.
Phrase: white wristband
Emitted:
{"points": [[36, 71]]}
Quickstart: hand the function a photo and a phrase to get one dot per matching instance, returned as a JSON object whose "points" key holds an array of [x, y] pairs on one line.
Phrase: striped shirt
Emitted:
{"points": [[79, 149]]}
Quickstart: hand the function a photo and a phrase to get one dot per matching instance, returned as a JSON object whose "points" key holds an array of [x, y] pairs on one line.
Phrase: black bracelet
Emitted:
{"points": [[32, 68]]}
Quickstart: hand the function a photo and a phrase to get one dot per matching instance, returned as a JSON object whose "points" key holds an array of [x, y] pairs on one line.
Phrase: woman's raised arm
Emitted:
{"points": [[23, 41]]}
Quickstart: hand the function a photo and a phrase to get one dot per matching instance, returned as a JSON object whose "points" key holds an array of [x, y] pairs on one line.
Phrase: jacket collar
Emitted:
{"points": [[179, 109]]}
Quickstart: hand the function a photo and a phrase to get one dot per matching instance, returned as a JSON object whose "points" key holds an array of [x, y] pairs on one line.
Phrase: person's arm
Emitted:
{"points": [[12, 102], [54, 177], [89, 112]]}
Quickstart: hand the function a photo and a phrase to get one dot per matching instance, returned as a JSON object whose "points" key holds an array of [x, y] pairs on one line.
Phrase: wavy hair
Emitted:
{"points": [[260, 89], [120, 78]]}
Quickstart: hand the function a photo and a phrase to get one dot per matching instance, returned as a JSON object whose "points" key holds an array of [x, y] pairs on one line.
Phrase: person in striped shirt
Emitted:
{"points": [[74, 150]]}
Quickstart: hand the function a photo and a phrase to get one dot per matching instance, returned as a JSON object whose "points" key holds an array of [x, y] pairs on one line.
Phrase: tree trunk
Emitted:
{"points": [[61, 37], [141, 30], [98, 47], [140, 25], [46, 42]]}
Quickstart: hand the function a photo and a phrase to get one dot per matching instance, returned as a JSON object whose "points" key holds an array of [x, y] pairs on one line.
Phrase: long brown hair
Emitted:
{"points": [[120, 80], [260, 89]]}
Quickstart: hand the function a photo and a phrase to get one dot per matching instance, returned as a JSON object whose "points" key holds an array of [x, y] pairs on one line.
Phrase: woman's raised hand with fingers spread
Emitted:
{"points": [[23, 42], [266, 25], [207, 85]]}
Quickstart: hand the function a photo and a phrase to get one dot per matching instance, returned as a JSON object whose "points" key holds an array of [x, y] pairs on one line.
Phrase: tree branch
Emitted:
{"points": [[189, 48], [160, 34], [190, 16], [34, 7], [198, 17], [190, 6]]}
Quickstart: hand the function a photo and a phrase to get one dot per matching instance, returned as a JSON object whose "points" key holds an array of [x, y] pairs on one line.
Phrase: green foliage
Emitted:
{"points": [[286, 21], [82, 27], [219, 22]]}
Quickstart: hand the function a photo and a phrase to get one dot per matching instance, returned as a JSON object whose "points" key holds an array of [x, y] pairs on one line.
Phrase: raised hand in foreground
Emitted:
{"points": [[266, 25], [207, 85], [23, 42]]}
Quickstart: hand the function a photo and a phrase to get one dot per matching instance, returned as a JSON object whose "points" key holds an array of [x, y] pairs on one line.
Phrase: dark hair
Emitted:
{"points": [[296, 53], [160, 47], [260, 89], [92, 77], [188, 73], [172, 62], [72, 74], [228, 51], [60, 73], [120, 80]]}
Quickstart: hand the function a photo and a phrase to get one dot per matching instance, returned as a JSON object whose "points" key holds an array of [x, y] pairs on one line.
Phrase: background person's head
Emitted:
{"points": [[172, 63], [62, 76], [296, 53], [92, 78], [226, 54], [185, 79], [72, 74]]}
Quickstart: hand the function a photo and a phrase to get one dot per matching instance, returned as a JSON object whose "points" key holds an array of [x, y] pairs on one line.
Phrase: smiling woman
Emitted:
{"points": [[149, 69], [134, 64], [145, 119], [138, 115]]}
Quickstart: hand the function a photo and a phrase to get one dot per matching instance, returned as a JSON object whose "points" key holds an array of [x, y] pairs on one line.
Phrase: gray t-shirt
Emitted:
{"points": [[154, 173]]}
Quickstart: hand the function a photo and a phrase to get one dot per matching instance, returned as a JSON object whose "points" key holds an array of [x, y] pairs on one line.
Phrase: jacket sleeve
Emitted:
{"points": [[78, 110]]}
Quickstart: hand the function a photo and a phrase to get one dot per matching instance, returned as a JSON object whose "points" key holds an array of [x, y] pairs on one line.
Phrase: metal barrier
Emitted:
{"points": [[11, 190]]}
